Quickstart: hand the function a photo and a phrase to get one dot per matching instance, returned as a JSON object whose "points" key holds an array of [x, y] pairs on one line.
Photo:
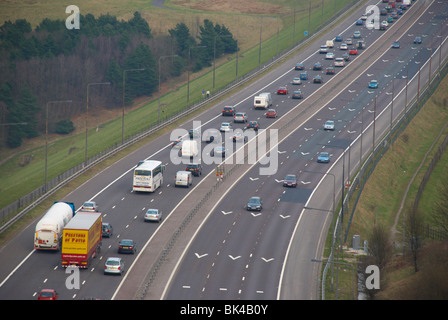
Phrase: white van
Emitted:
{"points": [[263, 101], [330, 43], [183, 178], [189, 149]]}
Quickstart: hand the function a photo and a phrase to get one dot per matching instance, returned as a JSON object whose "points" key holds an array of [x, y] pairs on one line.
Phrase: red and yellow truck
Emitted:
{"points": [[81, 239]]}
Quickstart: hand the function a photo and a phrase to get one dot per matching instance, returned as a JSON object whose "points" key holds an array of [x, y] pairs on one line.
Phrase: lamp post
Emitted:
{"points": [[188, 72], [338, 263], [46, 138], [122, 115], [214, 56], [87, 112], [158, 100]]}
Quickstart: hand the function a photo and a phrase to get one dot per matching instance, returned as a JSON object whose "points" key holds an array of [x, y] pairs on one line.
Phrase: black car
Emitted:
{"points": [[107, 230], [194, 168], [253, 125], [127, 246], [228, 111], [290, 181], [254, 203]]}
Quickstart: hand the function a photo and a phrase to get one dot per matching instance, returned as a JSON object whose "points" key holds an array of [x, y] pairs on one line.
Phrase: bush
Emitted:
{"points": [[64, 126]]}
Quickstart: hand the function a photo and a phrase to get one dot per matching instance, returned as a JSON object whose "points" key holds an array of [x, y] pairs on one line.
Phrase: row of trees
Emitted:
{"points": [[54, 63]]}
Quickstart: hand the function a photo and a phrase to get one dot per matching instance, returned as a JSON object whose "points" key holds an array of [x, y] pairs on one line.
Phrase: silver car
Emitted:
{"points": [[225, 126], [240, 117], [114, 265], [153, 215]]}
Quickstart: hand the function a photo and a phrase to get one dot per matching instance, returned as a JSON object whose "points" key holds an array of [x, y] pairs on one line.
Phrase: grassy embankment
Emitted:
{"points": [[381, 199], [105, 127]]}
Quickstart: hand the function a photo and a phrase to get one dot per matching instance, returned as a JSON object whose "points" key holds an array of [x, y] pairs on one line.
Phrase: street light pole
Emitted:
{"points": [[214, 56], [87, 113], [188, 72], [46, 138], [122, 115], [158, 99]]}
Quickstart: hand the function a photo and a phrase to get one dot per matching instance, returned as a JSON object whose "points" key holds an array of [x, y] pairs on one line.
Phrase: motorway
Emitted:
{"points": [[235, 254]]}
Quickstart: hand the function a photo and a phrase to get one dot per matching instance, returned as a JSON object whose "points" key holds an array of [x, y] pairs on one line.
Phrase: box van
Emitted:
{"points": [[263, 101], [189, 148], [183, 178]]}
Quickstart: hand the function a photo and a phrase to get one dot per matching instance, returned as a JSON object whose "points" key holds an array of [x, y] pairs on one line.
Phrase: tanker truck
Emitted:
{"points": [[48, 232]]}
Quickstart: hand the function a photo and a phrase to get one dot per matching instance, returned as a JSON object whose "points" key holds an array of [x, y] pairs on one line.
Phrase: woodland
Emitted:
{"points": [[53, 63]]}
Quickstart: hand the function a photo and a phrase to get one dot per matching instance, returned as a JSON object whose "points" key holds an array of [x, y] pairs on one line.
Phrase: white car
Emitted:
{"points": [[329, 125], [153, 215], [339, 62], [329, 56], [225, 126], [343, 46], [323, 49], [114, 265], [296, 80]]}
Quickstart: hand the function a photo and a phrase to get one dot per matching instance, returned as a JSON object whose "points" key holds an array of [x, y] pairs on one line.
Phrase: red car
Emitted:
{"points": [[47, 294], [282, 90], [353, 52], [271, 113]]}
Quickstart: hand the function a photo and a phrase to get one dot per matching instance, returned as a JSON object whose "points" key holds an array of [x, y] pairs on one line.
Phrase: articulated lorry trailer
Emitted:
{"points": [[48, 232], [81, 239]]}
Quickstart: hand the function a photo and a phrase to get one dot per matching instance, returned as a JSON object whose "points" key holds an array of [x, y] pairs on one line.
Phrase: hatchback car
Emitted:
{"points": [[373, 84], [343, 46], [228, 111], [194, 133], [271, 113], [218, 151], [297, 94], [357, 34], [47, 294], [240, 117], [329, 56], [254, 203], [153, 215], [396, 45], [108, 230], [329, 125], [253, 125], [225, 126], [299, 66], [323, 49], [353, 52], [303, 76], [323, 157], [349, 41], [177, 144], [329, 70], [127, 246], [317, 66], [296, 81], [290, 181], [114, 265], [282, 90], [339, 62], [338, 38], [418, 40], [89, 206], [239, 137], [317, 79], [194, 168]]}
